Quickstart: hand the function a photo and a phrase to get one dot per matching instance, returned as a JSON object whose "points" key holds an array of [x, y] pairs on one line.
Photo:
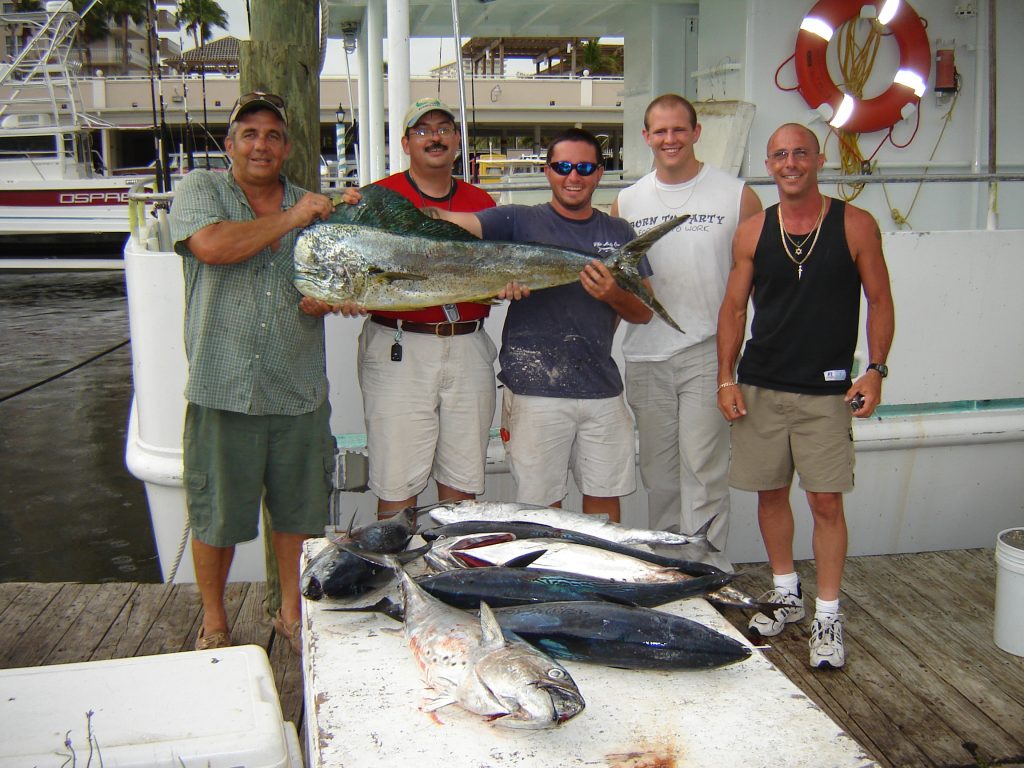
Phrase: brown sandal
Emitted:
{"points": [[205, 642], [291, 632]]}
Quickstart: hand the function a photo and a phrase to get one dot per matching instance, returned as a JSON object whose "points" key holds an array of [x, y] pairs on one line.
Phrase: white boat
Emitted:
{"points": [[938, 466], [50, 188]]}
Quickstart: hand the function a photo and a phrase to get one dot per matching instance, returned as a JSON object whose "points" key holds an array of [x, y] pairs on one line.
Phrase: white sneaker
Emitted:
{"points": [[826, 642], [769, 626]]}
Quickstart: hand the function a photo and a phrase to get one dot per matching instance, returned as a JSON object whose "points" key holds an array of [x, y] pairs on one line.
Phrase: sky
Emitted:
{"points": [[423, 51]]}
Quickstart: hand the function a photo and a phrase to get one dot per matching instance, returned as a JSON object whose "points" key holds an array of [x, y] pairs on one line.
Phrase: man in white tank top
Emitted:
{"points": [[671, 376]]}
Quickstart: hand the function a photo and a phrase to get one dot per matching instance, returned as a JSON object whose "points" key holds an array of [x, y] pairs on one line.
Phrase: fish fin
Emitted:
{"points": [[434, 703], [524, 561], [409, 555], [382, 208], [701, 536], [473, 541], [388, 561], [625, 265], [385, 605], [392, 277], [490, 629]]}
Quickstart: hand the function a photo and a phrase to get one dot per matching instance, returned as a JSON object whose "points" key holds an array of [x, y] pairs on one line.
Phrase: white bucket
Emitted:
{"points": [[1009, 618]]}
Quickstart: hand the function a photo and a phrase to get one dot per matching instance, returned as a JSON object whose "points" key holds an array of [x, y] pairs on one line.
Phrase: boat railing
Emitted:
{"points": [[147, 216]]}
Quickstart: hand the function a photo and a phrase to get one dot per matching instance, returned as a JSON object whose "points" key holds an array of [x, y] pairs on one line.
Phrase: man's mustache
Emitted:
{"points": [[436, 145]]}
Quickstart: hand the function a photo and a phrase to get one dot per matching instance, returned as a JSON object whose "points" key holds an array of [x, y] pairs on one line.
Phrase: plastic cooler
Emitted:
{"points": [[215, 709]]}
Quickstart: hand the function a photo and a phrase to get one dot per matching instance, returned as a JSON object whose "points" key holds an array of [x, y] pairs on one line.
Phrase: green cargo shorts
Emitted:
{"points": [[232, 459]]}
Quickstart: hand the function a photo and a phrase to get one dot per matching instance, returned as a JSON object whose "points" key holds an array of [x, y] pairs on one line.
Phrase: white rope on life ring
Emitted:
{"points": [[841, 109]]}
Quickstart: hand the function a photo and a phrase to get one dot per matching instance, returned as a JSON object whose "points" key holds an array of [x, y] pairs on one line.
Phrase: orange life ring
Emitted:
{"points": [[848, 113]]}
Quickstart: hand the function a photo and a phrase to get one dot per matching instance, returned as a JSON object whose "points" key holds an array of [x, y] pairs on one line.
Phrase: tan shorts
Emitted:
{"points": [[548, 436], [429, 414], [783, 432]]}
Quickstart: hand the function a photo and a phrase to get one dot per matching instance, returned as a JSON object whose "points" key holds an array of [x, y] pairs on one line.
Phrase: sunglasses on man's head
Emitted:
{"points": [[564, 168], [277, 101]]}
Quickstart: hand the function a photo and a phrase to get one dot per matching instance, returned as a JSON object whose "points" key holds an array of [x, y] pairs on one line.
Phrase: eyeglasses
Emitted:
{"points": [[564, 168], [442, 132], [248, 98], [781, 155]]}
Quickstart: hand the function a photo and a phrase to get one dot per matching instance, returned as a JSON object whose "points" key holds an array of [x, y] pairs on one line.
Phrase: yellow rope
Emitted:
{"points": [[856, 61], [900, 219]]}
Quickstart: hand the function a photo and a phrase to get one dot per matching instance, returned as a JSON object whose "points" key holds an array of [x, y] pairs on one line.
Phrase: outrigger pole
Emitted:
{"points": [[462, 90]]}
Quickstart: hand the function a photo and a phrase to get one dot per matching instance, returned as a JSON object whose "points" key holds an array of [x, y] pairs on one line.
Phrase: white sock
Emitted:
{"points": [[825, 608], [787, 583]]}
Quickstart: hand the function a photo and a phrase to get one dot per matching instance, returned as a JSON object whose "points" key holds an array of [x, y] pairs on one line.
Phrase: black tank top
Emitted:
{"points": [[804, 330]]}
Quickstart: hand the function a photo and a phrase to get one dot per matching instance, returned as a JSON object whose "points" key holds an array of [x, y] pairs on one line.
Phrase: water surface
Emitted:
{"points": [[69, 509]]}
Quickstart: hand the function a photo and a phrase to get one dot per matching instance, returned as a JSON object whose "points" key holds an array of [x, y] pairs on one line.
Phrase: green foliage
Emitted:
{"points": [[198, 17], [599, 63]]}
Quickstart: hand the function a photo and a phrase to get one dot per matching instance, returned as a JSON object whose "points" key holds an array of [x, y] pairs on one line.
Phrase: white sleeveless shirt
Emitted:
{"points": [[690, 264]]}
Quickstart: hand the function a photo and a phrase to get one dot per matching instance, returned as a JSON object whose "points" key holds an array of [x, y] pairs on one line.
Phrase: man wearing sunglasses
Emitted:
{"points": [[671, 376], [562, 406], [427, 375], [257, 419]]}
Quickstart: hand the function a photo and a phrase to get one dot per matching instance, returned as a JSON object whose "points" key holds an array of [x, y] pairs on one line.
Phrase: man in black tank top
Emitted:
{"points": [[804, 263]]}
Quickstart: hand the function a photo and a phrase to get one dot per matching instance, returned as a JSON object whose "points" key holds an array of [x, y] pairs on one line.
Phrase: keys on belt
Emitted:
{"points": [[433, 329]]}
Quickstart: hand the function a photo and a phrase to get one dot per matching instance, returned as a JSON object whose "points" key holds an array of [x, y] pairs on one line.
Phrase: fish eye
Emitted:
{"points": [[556, 674]]}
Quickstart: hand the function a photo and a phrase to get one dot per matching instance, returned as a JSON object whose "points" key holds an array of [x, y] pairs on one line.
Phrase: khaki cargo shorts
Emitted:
{"points": [[783, 432]]}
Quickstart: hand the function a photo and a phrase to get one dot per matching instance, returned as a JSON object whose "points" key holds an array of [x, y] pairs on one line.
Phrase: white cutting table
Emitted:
{"points": [[364, 696]]}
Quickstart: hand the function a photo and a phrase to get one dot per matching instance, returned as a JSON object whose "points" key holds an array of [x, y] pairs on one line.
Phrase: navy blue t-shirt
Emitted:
{"points": [[558, 341]]}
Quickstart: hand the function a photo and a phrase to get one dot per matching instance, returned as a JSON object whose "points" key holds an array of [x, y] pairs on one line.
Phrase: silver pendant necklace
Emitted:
{"points": [[693, 188]]}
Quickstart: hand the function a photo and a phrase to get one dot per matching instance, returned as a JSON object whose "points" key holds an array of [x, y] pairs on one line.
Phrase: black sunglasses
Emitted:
{"points": [[564, 168]]}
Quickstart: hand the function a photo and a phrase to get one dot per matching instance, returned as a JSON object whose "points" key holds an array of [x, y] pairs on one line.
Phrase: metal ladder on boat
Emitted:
{"points": [[42, 78]]}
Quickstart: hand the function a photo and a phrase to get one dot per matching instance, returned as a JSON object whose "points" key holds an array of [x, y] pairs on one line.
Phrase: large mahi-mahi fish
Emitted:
{"points": [[383, 253]]}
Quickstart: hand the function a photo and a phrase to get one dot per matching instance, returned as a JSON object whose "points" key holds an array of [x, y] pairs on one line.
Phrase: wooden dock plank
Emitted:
{"points": [[924, 685], [128, 630], [951, 655], [49, 624], [104, 604], [25, 604], [174, 628]]}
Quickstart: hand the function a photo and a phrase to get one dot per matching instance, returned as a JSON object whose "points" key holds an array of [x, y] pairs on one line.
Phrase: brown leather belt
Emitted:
{"points": [[434, 329]]}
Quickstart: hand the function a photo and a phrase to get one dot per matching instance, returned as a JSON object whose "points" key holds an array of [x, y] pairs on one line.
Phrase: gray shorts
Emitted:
{"points": [[548, 436], [232, 458], [429, 414], [783, 432]]}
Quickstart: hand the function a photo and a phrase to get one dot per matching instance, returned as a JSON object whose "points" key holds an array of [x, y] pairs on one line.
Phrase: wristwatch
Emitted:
{"points": [[882, 368]]}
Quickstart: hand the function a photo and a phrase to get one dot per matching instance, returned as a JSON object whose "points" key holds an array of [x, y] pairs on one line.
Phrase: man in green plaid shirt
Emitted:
{"points": [[257, 420]]}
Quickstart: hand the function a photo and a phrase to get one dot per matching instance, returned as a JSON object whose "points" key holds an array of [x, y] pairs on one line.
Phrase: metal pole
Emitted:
{"points": [[462, 89], [993, 188]]}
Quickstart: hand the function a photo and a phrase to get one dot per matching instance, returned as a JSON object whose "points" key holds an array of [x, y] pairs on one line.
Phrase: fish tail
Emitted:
{"points": [[625, 265]]}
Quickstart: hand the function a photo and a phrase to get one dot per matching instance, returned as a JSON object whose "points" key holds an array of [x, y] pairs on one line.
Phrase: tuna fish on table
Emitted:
{"points": [[509, 511]]}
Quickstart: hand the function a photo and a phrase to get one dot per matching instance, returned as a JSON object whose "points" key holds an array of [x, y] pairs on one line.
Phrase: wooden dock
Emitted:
{"points": [[924, 684]]}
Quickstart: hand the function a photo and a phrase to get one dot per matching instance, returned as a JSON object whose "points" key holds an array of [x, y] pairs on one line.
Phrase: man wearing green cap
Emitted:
{"points": [[257, 420], [427, 375]]}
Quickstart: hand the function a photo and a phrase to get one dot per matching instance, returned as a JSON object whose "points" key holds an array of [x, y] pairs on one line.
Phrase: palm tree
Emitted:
{"points": [[123, 12], [596, 60], [94, 26], [199, 16]]}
